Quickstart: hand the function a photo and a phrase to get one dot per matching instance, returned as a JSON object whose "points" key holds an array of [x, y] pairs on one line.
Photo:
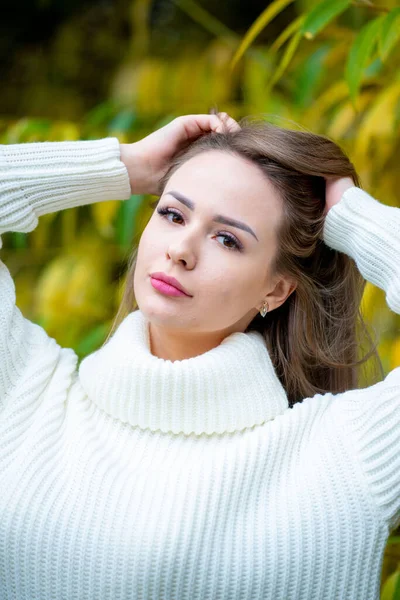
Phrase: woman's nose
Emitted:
{"points": [[182, 252]]}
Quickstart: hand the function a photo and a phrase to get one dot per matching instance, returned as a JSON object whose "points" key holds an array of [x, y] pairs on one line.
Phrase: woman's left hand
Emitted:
{"points": [[148, 159], [335, 189]]}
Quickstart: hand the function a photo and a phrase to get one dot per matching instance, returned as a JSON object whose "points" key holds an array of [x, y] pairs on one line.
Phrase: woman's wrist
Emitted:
{"points": [[137, 167], [335, 188]]}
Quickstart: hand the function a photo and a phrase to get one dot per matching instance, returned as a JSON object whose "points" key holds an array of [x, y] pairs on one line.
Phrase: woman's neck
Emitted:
{"points": [[178, 345]]}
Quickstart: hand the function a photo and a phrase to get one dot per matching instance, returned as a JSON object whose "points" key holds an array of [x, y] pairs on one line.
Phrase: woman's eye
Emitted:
{"points": [[166, 212], [174, 216], [232, 243]]}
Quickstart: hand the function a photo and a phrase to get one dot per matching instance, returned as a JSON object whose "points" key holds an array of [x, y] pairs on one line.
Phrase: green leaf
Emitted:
{"points": [[92, 340], [393, 539], [28, 130], [390, 33], [126, 220], [259, 24], [308, 76], [20, 240], [360, 54], [321, 15], [287, 33], [100, 115], [123, 121], [286, 58]]}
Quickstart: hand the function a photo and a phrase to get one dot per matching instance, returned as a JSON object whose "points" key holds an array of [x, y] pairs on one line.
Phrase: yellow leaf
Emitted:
{"points": [[368, 297], [69, 225], [39, 237], [334, 94], [259, 24], [216, 82], [64, 131], [346, 116], [342, 121], [373, 303], [395, 354], [380, 119], [254, 80], [149, 89], [74, 291], [337, 55], [104, 214], [390, 586]]}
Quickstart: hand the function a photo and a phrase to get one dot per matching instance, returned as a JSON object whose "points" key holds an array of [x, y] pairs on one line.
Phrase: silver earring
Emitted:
{"points": [[264, 309]]}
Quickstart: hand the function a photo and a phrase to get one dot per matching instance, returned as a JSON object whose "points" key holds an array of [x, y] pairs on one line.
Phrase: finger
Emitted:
{"points": [[229, 122], [196, 125]]}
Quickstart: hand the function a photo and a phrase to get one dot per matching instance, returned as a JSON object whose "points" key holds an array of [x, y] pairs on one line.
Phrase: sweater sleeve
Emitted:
{"points": [[35, 179], [369, 232]]}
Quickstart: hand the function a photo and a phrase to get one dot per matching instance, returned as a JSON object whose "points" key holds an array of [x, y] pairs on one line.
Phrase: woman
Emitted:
{"points": [[214, 446]]}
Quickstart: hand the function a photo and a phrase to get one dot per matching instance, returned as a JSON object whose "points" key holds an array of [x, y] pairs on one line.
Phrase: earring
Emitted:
{"points": [[264, 309]]}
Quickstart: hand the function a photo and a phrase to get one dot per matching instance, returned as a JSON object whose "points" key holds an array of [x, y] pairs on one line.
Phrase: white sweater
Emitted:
{"points": [[134, 477]]}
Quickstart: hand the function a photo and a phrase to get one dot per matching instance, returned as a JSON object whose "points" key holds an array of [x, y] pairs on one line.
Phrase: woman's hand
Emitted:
{"points": [[335, 189], [148, 159]]}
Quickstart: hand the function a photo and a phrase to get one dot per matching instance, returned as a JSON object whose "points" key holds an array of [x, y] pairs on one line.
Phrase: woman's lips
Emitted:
{"points": [[165, 288]]}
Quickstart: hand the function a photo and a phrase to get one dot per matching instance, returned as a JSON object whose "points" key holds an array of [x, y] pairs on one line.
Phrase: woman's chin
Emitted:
{"points": [[162, 312]]}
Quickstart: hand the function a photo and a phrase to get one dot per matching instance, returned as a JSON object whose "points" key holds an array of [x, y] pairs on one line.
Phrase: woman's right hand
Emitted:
{"points": [[335, 189], [148, 159]]}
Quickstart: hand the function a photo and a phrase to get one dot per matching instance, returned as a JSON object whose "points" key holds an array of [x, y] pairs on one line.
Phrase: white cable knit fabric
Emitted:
{"points": [[133, 477]]}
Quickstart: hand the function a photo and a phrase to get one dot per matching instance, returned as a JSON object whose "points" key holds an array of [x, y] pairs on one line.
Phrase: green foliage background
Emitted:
{"points": [[332, 67]]}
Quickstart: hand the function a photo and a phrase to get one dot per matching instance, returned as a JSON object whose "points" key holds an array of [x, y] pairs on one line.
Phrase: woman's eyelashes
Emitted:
{"points": [[165, 212]]}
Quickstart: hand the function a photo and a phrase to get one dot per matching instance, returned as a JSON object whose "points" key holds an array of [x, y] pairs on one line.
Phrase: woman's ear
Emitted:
{"points": [[281, 291]]}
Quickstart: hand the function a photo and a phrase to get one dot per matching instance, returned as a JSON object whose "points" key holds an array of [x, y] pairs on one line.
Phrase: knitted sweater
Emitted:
{"points": [[134, 477]]}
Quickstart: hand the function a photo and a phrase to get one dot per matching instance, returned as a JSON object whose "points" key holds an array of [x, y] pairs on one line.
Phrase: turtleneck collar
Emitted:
{"points": [[226, 389]]}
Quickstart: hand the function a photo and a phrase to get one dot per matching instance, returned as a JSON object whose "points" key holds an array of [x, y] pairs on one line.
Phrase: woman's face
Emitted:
{"points": [[214, 231]]}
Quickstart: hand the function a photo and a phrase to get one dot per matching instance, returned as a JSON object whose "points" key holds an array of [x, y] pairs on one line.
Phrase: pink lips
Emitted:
{"points": [[167, 285]]}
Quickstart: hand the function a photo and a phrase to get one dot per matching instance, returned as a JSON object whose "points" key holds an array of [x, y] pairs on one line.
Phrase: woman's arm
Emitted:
{"points": [[369, 232], [35, 179], [42, 177]]}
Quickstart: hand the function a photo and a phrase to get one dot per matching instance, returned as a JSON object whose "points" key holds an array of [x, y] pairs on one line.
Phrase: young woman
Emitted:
{"points": [[219, 445]]}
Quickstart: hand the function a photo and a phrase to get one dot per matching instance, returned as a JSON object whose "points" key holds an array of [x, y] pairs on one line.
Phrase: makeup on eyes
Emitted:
{"points": [[217, 218], [165, 211]]}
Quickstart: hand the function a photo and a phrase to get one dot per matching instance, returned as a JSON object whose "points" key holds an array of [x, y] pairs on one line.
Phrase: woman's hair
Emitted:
{"points": [[316, 337]]}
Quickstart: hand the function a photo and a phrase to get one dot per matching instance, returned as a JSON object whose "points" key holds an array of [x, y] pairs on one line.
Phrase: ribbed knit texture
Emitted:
{"points": [[134, 477]]}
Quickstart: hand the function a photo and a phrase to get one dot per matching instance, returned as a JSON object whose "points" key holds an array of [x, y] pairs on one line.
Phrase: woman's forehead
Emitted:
{"points": [[224, 181]]}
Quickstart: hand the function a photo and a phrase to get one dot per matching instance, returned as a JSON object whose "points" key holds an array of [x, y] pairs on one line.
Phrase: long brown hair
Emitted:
{"points": [[317, 338]]}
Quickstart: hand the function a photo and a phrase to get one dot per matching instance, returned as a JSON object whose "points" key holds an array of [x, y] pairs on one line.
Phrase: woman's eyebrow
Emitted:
{"points": [[217, 218]]}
